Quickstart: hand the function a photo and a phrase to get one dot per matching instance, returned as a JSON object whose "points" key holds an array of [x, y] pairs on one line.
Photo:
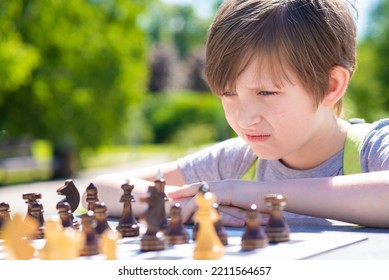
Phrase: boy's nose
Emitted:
{"points": [[248, 116]]}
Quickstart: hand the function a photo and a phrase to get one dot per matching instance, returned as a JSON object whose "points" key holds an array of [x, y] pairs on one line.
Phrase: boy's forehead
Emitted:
{"points": [[264, 70]]}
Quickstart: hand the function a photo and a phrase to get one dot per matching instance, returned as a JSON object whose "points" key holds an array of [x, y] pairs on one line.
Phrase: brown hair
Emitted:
{"points": [[309, 37]]}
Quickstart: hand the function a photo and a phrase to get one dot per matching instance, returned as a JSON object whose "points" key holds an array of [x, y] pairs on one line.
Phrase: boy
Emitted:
{"points": [[281, 69]]}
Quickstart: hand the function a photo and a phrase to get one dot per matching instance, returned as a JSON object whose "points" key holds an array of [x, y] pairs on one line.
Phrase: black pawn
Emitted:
{"points": [[91, 196], [4, 215], [37, 214], [277, 229], [176, 232], [220, 230], [65, 214], [88, 225], [128, 225], [254, 236], [195, 230], [101, 218]]}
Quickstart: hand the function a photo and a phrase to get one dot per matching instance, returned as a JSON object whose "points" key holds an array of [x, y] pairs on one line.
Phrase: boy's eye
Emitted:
{"points": [[228, 93], [267, 93]]}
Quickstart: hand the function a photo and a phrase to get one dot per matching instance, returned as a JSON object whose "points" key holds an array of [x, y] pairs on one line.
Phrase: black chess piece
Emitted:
{"points": [[277, 229], [101, 217], [176, 233], [91, 196], [254, 237], [160, 184], [5, 216], [220, 230], [88, 225], [128, 225], [66, 215], [153, 239], [37, 214], [71, 193], [195, 230], [30, 199]]}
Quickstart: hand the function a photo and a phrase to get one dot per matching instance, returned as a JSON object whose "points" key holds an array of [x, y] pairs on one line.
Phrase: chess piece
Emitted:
{"points": [[160, 186], [220, 230], [31, 198], [49, 250], [91, 196], [176, 233], [128, 225], [66, 215], [277, 229], [195, 230], [71, 193], [101, 218], [61, 243], [15, 244], [37, 214], [254, 236], [91, 244], [153, 239], [4, 216], [107, 244], [208, 245]]}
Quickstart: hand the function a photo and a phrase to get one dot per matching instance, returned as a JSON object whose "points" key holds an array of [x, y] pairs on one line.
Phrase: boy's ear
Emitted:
{"points": [[338, 81]]}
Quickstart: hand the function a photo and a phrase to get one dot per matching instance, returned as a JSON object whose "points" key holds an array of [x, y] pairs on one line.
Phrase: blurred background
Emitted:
{"points": [[89, 83]]}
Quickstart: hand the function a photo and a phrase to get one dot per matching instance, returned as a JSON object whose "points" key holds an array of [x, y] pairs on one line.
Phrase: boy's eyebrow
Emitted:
{"points": [[256, 86]]}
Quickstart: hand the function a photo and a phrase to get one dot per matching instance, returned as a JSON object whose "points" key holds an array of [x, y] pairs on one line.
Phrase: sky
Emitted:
{"points": [[363, 7]]}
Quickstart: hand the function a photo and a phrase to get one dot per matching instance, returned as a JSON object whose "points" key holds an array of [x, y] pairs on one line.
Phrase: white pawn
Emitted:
{"points": [[208, 244], [61, 243]]}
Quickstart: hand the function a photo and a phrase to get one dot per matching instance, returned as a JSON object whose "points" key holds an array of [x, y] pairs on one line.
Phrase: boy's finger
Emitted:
{"points": [[188, 210], [184, 191], [232, 221]]}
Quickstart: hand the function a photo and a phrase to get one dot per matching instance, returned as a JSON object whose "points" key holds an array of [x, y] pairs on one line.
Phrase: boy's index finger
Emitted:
{"points": [[184, 191]]}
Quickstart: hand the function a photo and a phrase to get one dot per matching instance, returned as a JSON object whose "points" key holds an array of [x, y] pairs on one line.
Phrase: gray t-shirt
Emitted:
{"points": [[230, 159]]}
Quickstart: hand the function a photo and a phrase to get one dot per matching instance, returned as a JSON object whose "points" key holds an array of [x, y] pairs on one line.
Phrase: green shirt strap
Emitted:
{"points": [[355, 135], [251, 173]]}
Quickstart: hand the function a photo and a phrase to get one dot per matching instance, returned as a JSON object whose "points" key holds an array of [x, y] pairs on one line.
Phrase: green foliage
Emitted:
{"points": [[369, 87], [178, 25], [365, 90], [186, 118], [17, 62], [71, 69]]}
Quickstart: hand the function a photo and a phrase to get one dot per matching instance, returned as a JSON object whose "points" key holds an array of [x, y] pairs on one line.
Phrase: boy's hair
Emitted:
{"points": [[309, 37]]}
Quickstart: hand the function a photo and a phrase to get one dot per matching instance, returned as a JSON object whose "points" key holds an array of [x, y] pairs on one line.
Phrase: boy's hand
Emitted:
{"points": [[232, 208]]}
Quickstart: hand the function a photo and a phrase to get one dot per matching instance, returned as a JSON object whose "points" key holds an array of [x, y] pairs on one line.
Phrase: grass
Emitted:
{"points": [[109, 156]]}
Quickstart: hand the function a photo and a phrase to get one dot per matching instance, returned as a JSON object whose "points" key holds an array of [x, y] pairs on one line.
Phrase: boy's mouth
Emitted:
{"points": [[257, 138]]}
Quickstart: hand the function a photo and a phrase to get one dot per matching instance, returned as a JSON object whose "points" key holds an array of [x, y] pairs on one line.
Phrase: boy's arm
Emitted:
{"points": [[110, 192], [361, 198]]}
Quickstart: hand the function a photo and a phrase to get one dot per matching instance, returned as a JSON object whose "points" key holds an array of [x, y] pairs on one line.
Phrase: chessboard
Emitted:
{"points": [[301, 246], [95, 236]]}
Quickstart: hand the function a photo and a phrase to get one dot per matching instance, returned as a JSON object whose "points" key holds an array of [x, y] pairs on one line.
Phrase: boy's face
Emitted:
{"points": [[277, 122]]}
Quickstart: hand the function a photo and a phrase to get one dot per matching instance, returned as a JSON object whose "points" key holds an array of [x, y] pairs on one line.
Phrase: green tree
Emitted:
{"points": [[369, 87], [71, 69], [176, 24]]}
